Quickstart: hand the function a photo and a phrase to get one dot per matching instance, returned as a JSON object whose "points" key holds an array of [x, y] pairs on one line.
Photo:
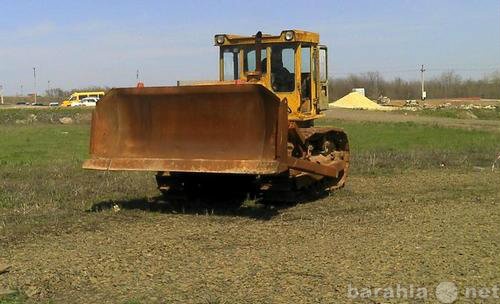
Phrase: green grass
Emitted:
{"points": [[16, 298], [40, 167], [404, 145], [23, 116], [43, 144], [42, 162], [408, 136]]}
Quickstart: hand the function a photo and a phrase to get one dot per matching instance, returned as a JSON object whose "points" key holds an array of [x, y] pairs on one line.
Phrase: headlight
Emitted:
{"points": [[219, 39], [288, 35]]}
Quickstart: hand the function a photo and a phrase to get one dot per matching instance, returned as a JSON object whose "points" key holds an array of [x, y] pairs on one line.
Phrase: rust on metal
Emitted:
{"points": [[187, 165], [219, 128]]}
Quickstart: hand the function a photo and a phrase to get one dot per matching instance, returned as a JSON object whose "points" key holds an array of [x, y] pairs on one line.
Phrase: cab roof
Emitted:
{"points": [[297, 36]]}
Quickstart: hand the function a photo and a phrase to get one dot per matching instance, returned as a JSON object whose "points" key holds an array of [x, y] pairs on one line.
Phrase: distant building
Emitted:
{"points": [[359, 90]]}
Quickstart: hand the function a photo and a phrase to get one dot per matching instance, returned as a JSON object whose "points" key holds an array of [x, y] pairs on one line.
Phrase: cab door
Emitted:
{"points": [[323, 77]]}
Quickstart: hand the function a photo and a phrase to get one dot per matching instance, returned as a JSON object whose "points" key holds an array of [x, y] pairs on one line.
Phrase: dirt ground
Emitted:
{"points": [[381, 116], [415, 227]]}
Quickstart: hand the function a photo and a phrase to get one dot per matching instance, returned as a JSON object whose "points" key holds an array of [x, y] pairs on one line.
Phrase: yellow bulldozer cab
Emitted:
{"points": [[292, 65]]}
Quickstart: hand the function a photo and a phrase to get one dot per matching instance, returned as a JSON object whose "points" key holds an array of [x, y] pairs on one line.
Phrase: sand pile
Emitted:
{"points": [[355, 100]]}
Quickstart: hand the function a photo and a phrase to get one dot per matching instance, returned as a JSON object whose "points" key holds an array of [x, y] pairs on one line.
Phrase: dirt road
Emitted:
{"points": [[380, 116]]}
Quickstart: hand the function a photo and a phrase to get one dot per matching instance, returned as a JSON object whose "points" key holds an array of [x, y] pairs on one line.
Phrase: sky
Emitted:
{"points": [[76, 44]]}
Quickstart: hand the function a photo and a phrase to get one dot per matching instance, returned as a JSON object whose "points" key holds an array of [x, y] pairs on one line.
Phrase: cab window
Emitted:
{"points": [[305, 68], [249, 60], [322, 65], [283, 69], [231, 63]]}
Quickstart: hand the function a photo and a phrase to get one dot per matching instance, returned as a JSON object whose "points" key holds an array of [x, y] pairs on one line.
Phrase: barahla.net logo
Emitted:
{"points": [[444, 292]]}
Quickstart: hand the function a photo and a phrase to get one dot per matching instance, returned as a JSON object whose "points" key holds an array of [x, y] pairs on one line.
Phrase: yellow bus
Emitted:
{"points": [[77, 96]]}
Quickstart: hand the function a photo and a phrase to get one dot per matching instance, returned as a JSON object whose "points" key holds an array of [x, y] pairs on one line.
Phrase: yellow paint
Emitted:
{"points": [[299, 35]]}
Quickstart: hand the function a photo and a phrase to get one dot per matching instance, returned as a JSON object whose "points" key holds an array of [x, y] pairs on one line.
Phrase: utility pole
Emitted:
{"points": [[1, 94], [140, 84], [424, 93], [34, 81], [22, 91], [48, 87]]}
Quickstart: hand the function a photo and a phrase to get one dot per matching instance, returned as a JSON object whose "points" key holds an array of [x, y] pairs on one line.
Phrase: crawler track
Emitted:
{"points": [[324, 146]]}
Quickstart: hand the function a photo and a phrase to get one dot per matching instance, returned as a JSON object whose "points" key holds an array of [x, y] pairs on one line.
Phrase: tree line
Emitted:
{"points": [[447, 85]]}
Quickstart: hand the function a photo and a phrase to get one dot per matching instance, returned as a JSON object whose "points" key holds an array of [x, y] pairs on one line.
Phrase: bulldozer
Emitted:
{"points": [[252, 130]]}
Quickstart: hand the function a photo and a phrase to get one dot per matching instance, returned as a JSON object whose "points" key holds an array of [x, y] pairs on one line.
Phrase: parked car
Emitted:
{"points": [[53, 104], [86, 102], [75, 104]]}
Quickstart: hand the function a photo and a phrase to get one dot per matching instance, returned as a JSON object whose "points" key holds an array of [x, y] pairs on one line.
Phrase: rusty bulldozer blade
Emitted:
{"points": [[209, 129]]}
